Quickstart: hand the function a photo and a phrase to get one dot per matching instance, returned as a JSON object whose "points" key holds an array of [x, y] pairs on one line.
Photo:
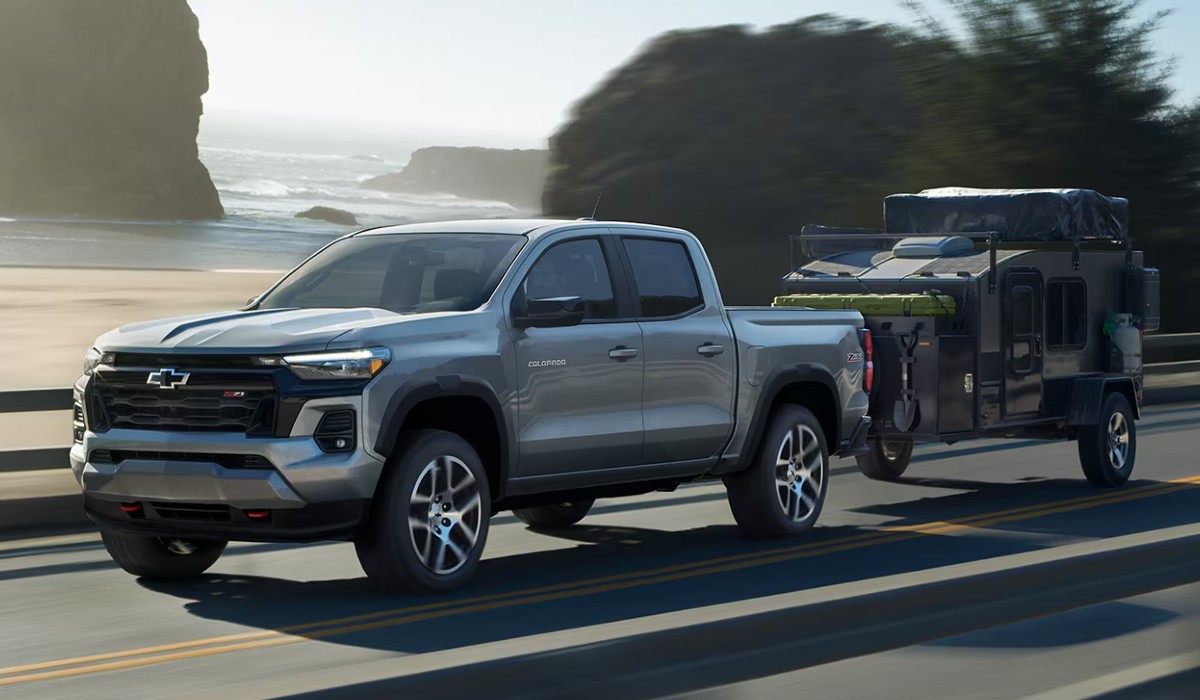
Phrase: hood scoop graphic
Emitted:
{"points": [[217, 319]]}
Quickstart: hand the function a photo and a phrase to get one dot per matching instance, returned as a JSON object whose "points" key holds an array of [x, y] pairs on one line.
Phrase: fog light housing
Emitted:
{"points": [[335, 432], [77, 423]]}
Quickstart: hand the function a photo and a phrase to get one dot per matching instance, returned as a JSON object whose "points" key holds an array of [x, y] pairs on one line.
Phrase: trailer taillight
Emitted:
{"points": [[868, 360]]}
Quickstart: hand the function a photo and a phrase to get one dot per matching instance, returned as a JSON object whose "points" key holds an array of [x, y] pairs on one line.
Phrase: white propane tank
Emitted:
{"points": [[1128, 340]]}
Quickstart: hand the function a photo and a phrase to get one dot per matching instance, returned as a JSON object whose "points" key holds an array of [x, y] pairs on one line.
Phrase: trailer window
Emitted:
{"points": [[1022, 329], [1066, 314]]}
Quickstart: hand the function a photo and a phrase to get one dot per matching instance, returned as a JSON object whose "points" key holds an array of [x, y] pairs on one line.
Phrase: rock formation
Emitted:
{"points": [[333, 216], [513, 176], [99, 109], [741, 137]]}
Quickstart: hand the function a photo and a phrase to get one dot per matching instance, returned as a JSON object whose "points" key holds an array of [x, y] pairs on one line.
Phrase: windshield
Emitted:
{"points": [[404, 273]]}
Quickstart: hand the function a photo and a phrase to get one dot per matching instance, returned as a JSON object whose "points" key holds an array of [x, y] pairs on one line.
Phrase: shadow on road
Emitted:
{"points": [[1080, 626], [620, 554]]}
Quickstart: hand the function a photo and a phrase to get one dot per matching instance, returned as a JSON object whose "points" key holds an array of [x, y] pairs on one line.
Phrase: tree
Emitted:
{"points": [[1063, 93]]}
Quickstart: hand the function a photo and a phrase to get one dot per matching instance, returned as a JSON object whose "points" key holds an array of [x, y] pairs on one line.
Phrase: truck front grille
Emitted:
{"points": [[210, 401], [199, 512], [229, 461]]}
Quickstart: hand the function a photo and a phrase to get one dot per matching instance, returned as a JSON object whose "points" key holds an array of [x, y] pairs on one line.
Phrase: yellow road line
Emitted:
{"points": [[1099, 497], [369, 621]]}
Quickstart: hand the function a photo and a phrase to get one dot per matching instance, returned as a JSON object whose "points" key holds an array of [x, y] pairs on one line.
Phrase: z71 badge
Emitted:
{"points": [[854, 357]]}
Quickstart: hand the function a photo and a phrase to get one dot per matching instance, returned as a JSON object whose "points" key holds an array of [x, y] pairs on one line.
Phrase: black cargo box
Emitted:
{"points": [[1015, 215]]}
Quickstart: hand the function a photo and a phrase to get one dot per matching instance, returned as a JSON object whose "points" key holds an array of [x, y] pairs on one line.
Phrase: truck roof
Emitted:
{"points": [[531, 228]]}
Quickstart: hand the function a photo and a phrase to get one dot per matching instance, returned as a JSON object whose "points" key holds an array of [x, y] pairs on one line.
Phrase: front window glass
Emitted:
{"points": [[574, 269], [404, 273]]}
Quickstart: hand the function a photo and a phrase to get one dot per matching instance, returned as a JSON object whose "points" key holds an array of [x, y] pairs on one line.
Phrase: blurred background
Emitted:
{"points": [[163, 157], [211, 135]]}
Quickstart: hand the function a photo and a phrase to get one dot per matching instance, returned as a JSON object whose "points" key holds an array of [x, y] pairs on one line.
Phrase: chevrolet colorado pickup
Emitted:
{"points": [[405, 383]]}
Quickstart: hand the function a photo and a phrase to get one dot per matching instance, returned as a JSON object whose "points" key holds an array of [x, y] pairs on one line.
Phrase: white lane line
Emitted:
{"points": [[45, 545], [1123, 679]]}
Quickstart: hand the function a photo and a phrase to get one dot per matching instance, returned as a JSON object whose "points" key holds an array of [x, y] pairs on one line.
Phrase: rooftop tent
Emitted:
{"points": [[1015, 215]]}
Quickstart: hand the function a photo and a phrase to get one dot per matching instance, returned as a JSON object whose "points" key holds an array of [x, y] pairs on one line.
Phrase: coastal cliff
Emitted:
{"points": [[512, 176], [99, 110], [742, 137]]}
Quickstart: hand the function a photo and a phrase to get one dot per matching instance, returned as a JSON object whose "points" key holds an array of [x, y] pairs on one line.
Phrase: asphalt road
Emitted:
{"points": [[275, 620]]}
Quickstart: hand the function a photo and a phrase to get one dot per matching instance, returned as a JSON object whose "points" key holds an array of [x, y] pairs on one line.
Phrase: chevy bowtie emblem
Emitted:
{"points": [[167, 378]]}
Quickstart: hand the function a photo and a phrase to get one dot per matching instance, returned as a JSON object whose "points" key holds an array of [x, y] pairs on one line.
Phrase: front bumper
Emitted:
{"points": [[311, 494], [334, 520]]}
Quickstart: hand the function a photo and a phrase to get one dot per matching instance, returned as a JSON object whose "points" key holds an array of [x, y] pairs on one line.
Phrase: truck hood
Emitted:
{"points": [[266, 331]]}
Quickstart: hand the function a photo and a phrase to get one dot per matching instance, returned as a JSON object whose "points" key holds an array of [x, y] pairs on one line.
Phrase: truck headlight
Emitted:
{"points": [[339, 364], [94, 358]]}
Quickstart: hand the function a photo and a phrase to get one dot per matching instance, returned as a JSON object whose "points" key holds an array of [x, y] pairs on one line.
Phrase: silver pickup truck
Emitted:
{"points": [[405, 383]]}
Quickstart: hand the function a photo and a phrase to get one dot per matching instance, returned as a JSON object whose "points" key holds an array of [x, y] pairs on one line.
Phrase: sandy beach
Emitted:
{"points": [[50, 316]]}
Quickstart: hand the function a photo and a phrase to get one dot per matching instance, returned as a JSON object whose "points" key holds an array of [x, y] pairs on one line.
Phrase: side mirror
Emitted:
{"points": [[554, 312]]}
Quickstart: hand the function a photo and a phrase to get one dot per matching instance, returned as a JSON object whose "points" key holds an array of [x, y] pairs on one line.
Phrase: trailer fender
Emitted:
{"points": [[1087, 397]]}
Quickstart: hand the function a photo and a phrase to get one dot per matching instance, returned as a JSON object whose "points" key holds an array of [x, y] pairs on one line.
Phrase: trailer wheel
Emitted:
{"points": [[783, 490], [1108, 448], [887, 459]]}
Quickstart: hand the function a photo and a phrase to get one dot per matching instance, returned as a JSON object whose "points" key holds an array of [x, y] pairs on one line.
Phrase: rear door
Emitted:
{"points": [[1023, 344], [688, 351], [580, 387]]}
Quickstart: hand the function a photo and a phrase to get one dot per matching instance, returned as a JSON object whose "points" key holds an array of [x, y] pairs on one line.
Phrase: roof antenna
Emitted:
{"points": [[597, 207]]}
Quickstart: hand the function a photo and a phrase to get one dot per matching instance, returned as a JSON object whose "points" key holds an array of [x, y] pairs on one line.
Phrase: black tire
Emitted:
{"points": [[1105, 462], [887, 459], [393, 549], [556, 515], [161, 557], [765, 498]]}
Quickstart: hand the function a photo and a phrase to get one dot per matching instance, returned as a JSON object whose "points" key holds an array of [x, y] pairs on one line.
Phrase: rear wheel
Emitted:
{"points": [[887, 459], [429, 522], [556, 515], [782, 492], [161, 557], [1108, 448]]}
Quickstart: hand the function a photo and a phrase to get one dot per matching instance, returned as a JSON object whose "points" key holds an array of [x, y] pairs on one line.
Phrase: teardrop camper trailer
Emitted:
{"points": [[993, 313]]}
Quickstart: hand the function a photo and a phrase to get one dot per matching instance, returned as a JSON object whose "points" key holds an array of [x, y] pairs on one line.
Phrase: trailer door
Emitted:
{"points": [[1022, 336]]}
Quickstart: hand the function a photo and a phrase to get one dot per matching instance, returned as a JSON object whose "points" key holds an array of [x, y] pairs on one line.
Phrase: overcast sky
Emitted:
{"points": [[490, 72]]}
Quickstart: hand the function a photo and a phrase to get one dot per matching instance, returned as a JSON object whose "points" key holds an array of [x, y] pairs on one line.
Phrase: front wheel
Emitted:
{"points": [[557, 515], [782, 492], [161, 557], [887, 460], [1108, 448], [429, 522]]}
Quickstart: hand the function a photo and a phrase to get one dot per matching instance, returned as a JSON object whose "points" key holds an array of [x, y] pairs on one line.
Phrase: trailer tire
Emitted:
{"points": [[554, 515], [1107, 449], [783, 490], [886, 460]]}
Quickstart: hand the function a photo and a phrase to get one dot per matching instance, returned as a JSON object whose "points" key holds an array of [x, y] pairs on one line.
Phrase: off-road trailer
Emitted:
{"points": [[992, 333]]}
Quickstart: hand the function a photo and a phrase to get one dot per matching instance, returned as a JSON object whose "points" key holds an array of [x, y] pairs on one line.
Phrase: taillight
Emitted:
{"points": [[868, 360]]}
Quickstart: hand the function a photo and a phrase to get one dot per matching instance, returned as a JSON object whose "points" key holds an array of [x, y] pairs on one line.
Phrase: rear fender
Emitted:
{"points": [[1087, 398]]}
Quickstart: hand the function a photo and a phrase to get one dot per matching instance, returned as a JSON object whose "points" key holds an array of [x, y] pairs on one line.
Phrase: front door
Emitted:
{"points": [[580, 387], [1022, 340]]}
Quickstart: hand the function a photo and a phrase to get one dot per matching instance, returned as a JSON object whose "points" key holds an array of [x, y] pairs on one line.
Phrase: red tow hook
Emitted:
{"points": [[131, 507], [258, 514]]}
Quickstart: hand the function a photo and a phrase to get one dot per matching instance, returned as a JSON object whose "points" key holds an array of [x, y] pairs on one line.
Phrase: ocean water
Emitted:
{"points": [[269, 188], [261, 191]]}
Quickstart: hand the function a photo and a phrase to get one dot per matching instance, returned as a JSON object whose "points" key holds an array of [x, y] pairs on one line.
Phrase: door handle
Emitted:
{"points": [[1037, 344], [622, 353], [710, 349]]}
